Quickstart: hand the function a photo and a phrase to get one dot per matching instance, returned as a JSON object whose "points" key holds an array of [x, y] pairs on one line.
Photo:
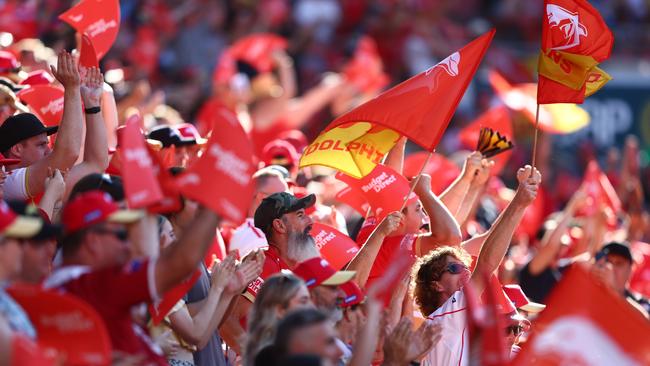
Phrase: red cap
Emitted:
{"points": [[353, 294], [317, 271], [38, 77], [517, 295], [279, 152], [8, 62], [15, 226], [295, 138], [93, 207], [189, 132]]}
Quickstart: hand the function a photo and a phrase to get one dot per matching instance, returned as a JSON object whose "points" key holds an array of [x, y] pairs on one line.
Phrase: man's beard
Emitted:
{"points": [[301, 246]]}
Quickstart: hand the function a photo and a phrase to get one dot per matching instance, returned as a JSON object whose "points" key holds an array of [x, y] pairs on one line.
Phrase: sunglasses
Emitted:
{"points": [[120, 234], [456, 268], [516, 330]]}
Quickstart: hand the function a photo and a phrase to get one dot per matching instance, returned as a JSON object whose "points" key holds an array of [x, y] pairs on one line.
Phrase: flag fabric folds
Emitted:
{"points": [[575, 39]]}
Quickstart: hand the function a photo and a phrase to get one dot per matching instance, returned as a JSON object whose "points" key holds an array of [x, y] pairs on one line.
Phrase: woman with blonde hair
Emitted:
{"points": [[281, 293]]}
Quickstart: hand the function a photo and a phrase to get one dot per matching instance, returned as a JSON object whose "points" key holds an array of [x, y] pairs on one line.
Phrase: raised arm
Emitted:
{"points": [[500, 234], [395, 157], [178, 260], [453, 197], [474, 192], [365, 257], [68, 138], [444, 228], [95, 159]]}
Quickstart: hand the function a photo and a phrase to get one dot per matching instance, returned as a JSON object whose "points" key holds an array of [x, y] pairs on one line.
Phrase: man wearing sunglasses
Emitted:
{"points": [[96, 266], [442, 274]]}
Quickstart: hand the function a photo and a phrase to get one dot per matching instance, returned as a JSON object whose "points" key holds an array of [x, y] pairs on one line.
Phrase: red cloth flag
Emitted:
{"points": [[65, 323], [45, 101], [87, 55], [586, 323], [443, 170], [336, 247], [575, 38], [496, 118], [171, 196], [221, 178], [100, 19], [140, 184]]}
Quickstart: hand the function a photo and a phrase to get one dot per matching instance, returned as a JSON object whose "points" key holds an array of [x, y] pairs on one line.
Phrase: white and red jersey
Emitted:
{"points": [[112, 292], [453, 348]]}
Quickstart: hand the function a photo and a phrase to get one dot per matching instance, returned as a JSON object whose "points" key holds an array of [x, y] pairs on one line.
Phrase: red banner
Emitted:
{"points": [[336, 247], [45, 101], [87, 55], [100, 19]]}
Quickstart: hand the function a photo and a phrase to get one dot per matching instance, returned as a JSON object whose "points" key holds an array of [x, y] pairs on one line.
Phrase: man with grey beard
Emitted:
{"points": [[286, 225]]}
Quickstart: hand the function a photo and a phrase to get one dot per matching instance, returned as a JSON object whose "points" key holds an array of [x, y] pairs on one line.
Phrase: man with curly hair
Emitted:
{"points": [[440, 275]]}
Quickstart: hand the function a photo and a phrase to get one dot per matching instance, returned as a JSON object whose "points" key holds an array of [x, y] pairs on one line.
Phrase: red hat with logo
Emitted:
{"points": [[517, 295], [189, 132], [279, 152], [15, 226], [353, 294], [94, 207], [318, 272]]}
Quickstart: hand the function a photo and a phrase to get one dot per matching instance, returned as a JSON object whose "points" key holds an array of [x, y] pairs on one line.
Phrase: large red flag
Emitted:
{"points": [[221, 178], [586, 323], [419, 108], [100, 19], [575, 38]]}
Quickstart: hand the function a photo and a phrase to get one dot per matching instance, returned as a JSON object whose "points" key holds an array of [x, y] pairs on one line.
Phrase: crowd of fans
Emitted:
{"points": [[267, 297]]}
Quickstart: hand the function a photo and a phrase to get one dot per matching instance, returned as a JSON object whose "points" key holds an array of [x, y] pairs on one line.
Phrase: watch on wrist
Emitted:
{"points": [[92, 110]]}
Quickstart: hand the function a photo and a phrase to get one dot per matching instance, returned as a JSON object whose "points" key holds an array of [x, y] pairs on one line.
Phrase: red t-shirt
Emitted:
{"points": [[113, 292], [272, 265], [388, 248]]}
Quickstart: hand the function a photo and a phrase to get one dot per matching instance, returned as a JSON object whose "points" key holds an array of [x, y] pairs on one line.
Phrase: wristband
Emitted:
{"points": [[93, 110]]}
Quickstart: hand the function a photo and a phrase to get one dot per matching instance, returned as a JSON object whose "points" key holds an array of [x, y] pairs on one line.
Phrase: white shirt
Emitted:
{"points": [[15, 186], [247, 238], [453, 348]]}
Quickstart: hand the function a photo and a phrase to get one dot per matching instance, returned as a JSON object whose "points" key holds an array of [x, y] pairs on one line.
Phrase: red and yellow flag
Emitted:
{"points": [[575, 39], [419, 108]]}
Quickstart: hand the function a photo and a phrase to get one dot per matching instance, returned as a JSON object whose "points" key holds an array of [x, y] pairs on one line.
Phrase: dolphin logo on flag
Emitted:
{"points": [[568, 23]]}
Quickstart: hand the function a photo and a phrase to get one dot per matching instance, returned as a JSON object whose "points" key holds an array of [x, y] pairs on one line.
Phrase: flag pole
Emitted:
{"points": [[415, 181], [535, 139]]}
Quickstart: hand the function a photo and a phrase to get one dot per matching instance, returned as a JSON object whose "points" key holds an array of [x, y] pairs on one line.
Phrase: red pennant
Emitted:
{"points": [[422, 106], [171, 297], [45, 101], [87, 55], [354, 199], [140, 183], [384, 189], [66, 324], [586, 323], [336, 247], [256, 49], [221, 178], [100, 19], [171, 200], [444, 171]]}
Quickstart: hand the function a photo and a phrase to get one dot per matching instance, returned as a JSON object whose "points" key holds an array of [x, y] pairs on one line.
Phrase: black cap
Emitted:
{"points": [[169, 136], [48, 230], [110, 184], [20, 127], [616, 249], [278, 204]]}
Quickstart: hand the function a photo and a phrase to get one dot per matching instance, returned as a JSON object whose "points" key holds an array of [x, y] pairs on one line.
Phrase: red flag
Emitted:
{"points": [[422, 106], [600, 191], [443, 170], [586, 323], [45, 101], [67, 324], [384, 189], [221, 178], [100, 19], [354, 199], [496, 118], [140, 183], [336, 247], [171, 196], [171, 297], [87, 55]]}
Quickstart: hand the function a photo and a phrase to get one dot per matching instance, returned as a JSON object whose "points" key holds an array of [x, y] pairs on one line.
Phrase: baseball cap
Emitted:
{"points": [[16, 226], [353, 294], [317, 271], [93, 207], [615, 248], [47, 230], [278, 204], [110, 184], [189, 132], [517, 296], [8, 62], [15, 88], [20, 127], [279, 152], [119, 131], [168, 136]]}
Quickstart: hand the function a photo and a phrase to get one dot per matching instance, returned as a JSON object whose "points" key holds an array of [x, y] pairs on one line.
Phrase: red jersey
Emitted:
{"points": [[112, 292], [272, 265]]}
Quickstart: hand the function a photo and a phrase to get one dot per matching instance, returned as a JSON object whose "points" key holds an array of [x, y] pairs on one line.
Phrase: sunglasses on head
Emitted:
{"points": [[516, 330], [456, 268]]}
